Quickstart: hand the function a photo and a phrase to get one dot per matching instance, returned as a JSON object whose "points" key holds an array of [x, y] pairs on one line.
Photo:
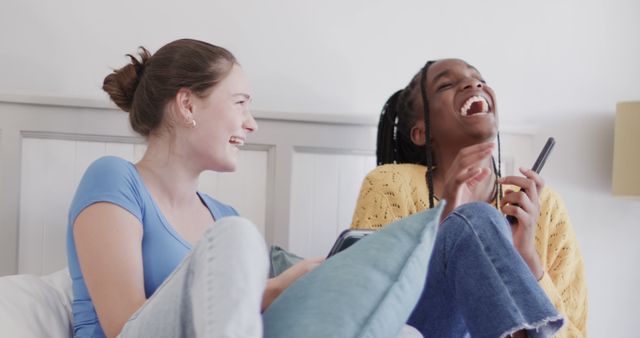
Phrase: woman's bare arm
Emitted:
{"points": [[276, 285], [108, 241]]}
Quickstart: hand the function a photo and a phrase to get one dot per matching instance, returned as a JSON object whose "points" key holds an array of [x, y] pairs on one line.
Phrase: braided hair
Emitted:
{"points": [[394, 144], [394, 129]]}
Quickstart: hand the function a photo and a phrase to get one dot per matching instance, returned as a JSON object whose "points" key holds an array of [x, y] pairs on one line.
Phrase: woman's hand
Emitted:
{"points": [[524, 205], [277, 284], [464, 174]]}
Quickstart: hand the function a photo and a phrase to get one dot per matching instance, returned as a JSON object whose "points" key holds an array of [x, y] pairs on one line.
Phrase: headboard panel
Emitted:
{"points": [[297, 180]]}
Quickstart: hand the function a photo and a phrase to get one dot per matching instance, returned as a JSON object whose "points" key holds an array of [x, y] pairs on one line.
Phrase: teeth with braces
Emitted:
{"points": [[236, 140], [470, 101]]}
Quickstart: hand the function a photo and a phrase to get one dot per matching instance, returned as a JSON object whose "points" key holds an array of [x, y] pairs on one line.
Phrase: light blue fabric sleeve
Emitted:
{"points": [[108, 179]]}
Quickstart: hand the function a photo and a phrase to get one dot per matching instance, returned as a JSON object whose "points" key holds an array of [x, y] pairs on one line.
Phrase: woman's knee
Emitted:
{"points": [[236, 238], [234, 228], [478, 208], [483, 218]]}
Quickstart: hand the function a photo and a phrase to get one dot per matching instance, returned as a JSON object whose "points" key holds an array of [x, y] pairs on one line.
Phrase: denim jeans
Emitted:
{"points": [[478, 284], [215, 292]]}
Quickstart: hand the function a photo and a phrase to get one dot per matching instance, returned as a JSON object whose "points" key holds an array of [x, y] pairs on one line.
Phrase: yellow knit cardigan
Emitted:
{"points": [[393, 191]]}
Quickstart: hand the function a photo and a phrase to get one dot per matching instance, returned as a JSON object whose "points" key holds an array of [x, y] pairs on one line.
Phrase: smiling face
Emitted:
{"points": [[223, 122], [462, 106]]}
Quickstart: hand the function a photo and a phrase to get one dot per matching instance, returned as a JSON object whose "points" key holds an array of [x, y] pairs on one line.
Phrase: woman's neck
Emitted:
{"points": [[167, 174]]}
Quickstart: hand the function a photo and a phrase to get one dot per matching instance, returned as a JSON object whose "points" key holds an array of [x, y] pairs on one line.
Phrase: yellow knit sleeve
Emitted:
{"points": [[564, 279], [385, 196]]}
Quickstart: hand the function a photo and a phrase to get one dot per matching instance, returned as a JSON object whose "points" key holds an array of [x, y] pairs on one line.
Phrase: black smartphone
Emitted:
{"points": [[542, 158], [346, 239], [537, 166]]}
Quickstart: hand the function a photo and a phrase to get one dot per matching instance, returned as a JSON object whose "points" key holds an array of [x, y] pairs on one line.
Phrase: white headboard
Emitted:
{"points": [[298, 178]]}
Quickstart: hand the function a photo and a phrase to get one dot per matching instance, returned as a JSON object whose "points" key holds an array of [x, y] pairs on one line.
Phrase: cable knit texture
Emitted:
{"points": [[393, 191]]}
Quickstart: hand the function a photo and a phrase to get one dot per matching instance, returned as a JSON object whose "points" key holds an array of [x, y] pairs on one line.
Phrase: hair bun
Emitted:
{"points": [[122, 83]]}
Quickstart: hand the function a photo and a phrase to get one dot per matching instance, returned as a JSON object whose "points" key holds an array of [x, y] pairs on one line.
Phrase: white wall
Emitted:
{"points": [[560, 65], [341, 56]]}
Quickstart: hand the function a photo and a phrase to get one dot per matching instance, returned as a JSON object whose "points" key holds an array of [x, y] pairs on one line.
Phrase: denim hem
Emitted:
{"points": [[537, 325]]}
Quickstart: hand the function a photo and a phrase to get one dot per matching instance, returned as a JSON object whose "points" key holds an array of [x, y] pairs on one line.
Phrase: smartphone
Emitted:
{"points": [[542, 158], [346, 239], [537, 166]]}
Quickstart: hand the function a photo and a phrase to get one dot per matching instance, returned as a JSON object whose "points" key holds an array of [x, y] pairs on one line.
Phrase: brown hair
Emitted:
{"points": [[143, 87]]}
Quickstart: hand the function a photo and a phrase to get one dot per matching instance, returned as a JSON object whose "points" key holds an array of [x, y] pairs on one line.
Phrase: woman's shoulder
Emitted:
{"points": [[401, 183], [397, 172], [389, 192], [108, 176], [403, 179], [108, 173], [109, 170], [107, 179], [110, 164]]}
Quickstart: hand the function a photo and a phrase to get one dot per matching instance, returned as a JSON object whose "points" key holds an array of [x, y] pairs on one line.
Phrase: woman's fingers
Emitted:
{"points": [[514, 210], [473, 176], [470, 157], [531, 185], [522, 182], [465, 172], [517, 199], [532, 175]]}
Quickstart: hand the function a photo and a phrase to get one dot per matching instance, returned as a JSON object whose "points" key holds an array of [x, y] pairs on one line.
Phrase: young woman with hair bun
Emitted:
{"points": [[144, 258]]}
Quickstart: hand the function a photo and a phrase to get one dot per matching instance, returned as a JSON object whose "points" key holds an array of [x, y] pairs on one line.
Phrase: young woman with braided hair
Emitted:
{"points": [[435, 142]]}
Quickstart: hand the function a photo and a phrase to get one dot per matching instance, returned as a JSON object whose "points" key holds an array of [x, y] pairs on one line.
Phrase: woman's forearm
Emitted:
{"points": [[271, 292], [276, 285]]}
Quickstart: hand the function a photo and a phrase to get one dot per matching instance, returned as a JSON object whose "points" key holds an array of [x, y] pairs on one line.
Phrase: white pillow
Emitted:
{"points": [[35, 306]]}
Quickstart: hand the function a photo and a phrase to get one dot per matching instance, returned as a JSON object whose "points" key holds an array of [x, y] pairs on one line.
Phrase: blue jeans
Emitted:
{"points": [[478, 284]]}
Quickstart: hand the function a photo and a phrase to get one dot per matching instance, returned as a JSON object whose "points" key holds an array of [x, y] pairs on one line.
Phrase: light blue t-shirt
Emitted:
{"points": [[114, 180]]}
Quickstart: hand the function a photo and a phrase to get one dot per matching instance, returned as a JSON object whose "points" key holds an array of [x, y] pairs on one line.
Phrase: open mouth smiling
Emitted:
{"points": [[475, 106], [236, 140]]}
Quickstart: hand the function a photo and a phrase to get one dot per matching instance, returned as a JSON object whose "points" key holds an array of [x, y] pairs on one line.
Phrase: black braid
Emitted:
{"points": [[394, 143], [427, 131], [408, 152], [386, 148], [499, 199], [497, 169]]}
